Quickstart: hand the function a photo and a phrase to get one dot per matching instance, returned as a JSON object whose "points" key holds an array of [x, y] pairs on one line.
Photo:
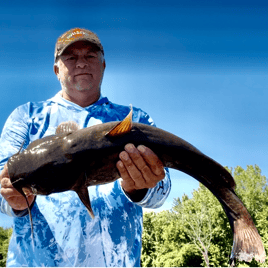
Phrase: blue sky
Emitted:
{"points": [[199, 68]]}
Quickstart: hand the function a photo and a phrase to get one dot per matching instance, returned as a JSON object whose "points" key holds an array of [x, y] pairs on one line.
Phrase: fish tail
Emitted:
{"points": [[247, 242]]}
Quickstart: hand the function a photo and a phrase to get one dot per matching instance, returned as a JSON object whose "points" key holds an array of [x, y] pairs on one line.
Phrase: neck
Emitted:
{"points": [[81, 98]]}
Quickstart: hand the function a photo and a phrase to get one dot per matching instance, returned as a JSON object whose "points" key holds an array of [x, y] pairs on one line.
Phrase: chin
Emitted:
{"points": [[83, 88]]}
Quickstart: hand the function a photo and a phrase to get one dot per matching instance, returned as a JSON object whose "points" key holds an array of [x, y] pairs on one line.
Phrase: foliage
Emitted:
{"points": [[5, 235], [196, 232]]}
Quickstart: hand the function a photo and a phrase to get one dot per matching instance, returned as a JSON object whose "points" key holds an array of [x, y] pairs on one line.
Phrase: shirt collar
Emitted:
{"points": [[59, 99]]}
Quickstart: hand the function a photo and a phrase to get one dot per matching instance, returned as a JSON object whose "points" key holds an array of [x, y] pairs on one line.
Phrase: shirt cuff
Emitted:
{"points": [[155, 197]]}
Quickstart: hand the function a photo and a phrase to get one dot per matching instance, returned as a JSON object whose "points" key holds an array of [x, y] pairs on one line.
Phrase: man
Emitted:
{"points": [[65, 235]]}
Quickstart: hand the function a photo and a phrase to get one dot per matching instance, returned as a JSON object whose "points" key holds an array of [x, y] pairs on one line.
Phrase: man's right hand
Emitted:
{"points": [[12, 196]]}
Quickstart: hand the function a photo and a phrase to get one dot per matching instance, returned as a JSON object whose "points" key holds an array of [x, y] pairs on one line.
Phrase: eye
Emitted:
{"points": [[91, 56], [70, 58]]}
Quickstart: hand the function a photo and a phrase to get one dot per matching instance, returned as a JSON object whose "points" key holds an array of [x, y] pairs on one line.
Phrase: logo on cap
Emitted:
{"points": [[73, 35]]}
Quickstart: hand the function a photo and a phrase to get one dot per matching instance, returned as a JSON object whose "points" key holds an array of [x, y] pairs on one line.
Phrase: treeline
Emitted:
{"points": [[196, 232], [5, 235]]}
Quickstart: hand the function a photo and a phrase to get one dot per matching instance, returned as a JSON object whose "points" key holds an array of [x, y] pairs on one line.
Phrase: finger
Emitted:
{"points": [[135, 156], [145, 171], [8, 190], [123, 171], [6, 183], [5, 171], [127, 182], [19, 203], [150, 178], [132, 170], [15, 199], [9, 193], [152, 160]]}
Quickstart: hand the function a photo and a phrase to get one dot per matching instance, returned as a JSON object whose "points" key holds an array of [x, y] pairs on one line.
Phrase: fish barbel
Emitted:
{"points": [[74, 159]]}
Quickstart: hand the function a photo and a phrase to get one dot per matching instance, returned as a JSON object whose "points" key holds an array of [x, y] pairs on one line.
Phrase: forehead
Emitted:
{"points": [[80, 46]]}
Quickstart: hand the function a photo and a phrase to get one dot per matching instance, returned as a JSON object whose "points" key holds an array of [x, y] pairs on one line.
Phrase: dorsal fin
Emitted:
{"points": [[67, 127], [122, 127]]}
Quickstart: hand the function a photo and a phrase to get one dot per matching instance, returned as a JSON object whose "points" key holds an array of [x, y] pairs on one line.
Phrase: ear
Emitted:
{"points": [[104, 65], [56, 69]]}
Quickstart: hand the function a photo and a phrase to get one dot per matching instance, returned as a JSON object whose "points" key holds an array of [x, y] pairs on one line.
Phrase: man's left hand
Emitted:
{"points": [[140, 168]]}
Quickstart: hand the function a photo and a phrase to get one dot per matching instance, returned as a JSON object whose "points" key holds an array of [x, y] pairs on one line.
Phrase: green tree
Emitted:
{"points": [[251, 188], [199, 228], [206, 225], [164, 241], [197, 232], [5, 235]]}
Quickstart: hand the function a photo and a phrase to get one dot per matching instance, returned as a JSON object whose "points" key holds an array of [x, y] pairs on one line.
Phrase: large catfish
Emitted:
{"points": [[74, 159]]}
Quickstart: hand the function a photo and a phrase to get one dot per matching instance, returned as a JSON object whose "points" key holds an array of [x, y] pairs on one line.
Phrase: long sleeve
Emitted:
{"points": [[155, 197], [13, 136]]}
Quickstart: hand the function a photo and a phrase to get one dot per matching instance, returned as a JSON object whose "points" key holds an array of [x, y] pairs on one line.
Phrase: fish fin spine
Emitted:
{"points": [[122, 127]]}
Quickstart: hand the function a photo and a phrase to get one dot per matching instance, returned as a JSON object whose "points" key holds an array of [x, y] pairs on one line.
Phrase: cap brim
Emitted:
{"points": [[77, 40]]}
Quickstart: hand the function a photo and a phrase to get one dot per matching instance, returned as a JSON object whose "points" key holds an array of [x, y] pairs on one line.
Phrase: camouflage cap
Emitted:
{"points": [[74, 35]]}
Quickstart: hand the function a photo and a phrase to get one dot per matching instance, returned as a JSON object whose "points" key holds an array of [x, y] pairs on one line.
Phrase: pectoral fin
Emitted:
{"points": [[123, 127], [84, 197]]}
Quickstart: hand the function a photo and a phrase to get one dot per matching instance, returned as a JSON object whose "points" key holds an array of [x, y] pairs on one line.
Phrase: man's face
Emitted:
{"points": [[80, 68]]}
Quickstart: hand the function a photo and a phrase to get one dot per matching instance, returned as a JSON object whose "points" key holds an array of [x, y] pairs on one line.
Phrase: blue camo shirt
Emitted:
{"points": [[64, 233]]}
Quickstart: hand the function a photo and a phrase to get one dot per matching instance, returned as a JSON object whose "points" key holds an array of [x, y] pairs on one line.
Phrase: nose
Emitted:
{"points": [[81, 63]]}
